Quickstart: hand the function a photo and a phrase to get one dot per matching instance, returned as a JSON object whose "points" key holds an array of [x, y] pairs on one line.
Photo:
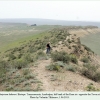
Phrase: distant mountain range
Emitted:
{"points": [[49, 22]]}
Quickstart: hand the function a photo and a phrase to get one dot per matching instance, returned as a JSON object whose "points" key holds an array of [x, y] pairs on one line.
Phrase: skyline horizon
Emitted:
{"points": [[52, 19]]}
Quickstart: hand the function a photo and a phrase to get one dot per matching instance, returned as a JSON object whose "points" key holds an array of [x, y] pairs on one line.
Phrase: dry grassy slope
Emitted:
{"points": [[66, 80], [83, 32]]}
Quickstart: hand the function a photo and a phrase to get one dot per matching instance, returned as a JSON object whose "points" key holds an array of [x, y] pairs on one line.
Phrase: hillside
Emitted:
{"points": [[71, 66], [14, 34]]}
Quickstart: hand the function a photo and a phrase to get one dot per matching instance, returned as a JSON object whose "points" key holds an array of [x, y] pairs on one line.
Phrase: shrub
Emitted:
{"points": [[69, 47], [85, 60], [73, 59], [60, 63], [3, 68], [28, 58], [11, 57], [90, 87], [76, 48], [90, 72], [71, 68], [81, 51], [91, 67], [87, 48], [3, 64], [69, 41], [26, 71], [32, 49], [10, 88], [60, 56], [61, 37], [20, 63], [97, 77], [73, 40], [29, 76], [41, 55], [20, 55], [53, 67]]}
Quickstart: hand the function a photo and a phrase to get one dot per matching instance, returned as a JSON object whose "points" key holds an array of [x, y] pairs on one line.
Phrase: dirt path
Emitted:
{"points": [[42, 74]]}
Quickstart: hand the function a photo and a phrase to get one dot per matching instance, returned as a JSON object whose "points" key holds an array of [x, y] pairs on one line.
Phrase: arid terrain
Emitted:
{"points": [[71, 66]]}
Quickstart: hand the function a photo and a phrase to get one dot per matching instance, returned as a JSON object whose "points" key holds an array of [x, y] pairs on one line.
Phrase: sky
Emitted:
{"points": [[59, 10]]}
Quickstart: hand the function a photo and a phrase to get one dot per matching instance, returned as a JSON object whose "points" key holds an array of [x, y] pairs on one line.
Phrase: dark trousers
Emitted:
{"points": [[48, 50]]}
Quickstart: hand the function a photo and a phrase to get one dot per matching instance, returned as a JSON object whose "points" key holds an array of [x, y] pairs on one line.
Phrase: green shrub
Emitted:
{"points": [[60, 56], [10, 88], [90, 87], [29, 76], [69, 47], [28, 58], [73, 59], [32, 49], [73, 40], [87, 48], [20, 55], [76, 48], [61, 37], [71, 68], [53, 67], [60, 63], [26, 71], [91, 67], [20, 63], [90, 72], [11, 57], [41, 55], [85, 60], [3, 64], [97, 77], [3, 68], [69, 41]]}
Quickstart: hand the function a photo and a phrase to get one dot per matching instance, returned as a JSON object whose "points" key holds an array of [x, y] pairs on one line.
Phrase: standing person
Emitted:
{"points": [[48, 48]]}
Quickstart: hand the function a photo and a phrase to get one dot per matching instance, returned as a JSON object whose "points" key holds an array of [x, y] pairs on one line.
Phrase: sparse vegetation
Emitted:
{"points": [[41, 55], [69, 41], [91, 87], [16, 62], [71, 68], [61, 56], [97, 77], [11, 57], [53, 67], [87, 48], [90, 71], [73, 59], [85, 60]]}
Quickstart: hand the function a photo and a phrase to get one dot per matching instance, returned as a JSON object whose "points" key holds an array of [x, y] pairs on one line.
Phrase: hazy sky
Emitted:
{"points": [[63, 10]]}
